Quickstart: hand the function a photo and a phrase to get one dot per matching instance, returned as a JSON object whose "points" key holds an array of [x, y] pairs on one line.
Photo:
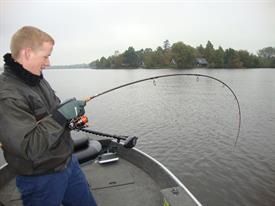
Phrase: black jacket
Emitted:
{"points": [[33, 141]]}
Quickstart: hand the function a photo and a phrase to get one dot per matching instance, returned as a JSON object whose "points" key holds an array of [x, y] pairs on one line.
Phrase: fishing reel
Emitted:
{"points": [[79, 122]]}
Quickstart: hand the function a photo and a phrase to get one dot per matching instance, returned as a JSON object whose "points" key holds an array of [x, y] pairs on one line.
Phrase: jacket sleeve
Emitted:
{"points": [[20, 133]]}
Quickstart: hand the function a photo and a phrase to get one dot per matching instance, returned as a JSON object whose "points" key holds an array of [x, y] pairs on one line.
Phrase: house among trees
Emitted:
{"points": [[182, 56], [201, 62], [142, 64], [173, 62]]}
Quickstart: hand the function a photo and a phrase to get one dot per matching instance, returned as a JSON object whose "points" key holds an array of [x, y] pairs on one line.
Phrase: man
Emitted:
{"points": [[33, 126]]}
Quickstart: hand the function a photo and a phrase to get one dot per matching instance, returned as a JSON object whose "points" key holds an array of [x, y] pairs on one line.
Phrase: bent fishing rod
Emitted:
{"points": [[165, 76]]}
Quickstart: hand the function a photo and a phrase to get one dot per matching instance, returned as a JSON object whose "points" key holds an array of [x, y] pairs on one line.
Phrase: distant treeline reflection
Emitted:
{"points": [[180, 55]]}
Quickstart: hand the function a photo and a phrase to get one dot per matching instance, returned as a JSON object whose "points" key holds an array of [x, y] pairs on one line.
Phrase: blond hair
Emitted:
{"points": [[28, 37]]}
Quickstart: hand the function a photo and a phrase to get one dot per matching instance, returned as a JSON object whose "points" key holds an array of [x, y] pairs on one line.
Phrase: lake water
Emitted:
{"points": [[190, 125]]}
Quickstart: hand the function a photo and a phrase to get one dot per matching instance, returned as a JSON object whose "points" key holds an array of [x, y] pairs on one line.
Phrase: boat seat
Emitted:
{"points": [[85, 149], [90, 152], [80, 143]]}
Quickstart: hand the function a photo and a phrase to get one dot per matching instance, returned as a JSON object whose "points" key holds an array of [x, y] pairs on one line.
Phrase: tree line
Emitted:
{"points": [[181, 55]]}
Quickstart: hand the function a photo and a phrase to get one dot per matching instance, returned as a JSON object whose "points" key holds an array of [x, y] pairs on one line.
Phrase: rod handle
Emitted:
{"points": [[87, 99]]}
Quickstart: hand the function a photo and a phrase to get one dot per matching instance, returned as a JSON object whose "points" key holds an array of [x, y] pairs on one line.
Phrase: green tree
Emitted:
{"points": [[148, 58], [103, 63], [209, 54], [184, 55], [272, 62], [167, 58], [245, 58], [147, 50], [159, 50], [232, 59], [130, 58], [166, 45], [117, 61], [266, 57], [200, 52], [159, 57], [267, 52], [218, 58], [255, 62]]}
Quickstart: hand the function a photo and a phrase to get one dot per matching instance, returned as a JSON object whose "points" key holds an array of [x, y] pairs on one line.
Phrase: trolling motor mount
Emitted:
{"points": [[129, 141]]}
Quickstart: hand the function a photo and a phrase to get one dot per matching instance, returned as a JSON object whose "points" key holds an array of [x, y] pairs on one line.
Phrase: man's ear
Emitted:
{"points": [[26, 53]]}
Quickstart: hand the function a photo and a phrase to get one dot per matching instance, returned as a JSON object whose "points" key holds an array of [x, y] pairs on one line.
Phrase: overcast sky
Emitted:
{"points": [[86, 30]]}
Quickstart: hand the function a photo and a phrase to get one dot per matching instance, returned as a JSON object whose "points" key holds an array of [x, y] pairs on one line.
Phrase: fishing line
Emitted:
{"points": [[172, 75]]}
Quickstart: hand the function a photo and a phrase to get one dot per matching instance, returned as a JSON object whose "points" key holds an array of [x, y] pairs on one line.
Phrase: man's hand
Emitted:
{"points": [[69, 110], [72, 108]]}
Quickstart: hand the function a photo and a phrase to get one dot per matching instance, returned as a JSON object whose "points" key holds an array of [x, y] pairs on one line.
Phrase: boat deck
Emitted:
{"points": [[125, 185], [134, 180]]}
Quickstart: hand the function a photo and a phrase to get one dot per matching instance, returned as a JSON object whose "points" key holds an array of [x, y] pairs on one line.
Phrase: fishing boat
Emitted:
{"points": [[118, 175]]}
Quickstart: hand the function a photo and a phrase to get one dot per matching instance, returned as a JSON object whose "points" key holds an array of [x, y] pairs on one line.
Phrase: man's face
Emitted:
{"points": [[39, 58]]}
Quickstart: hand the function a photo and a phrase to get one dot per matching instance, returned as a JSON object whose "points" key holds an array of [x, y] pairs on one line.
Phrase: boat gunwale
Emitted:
{"points": [[180, 184]]}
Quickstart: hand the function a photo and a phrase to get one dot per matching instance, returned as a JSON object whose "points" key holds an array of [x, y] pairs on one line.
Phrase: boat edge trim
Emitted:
{"points": [[171, 174]]}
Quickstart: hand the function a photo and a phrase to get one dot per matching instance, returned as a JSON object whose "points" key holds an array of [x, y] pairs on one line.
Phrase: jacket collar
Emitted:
{"points": [[18, 70]]}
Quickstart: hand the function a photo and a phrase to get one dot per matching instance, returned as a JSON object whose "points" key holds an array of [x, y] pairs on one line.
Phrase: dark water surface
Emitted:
{"points": [[190, 125]]}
